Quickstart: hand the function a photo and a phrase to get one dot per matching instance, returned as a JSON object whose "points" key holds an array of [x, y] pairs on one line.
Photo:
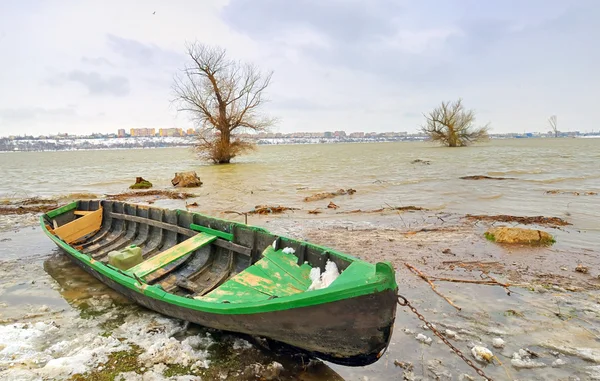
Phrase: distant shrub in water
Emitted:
{"points": [[224, 97], [451, 125]]}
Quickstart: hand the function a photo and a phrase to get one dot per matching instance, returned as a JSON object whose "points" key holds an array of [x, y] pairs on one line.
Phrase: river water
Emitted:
{"points": [[37, 285]]}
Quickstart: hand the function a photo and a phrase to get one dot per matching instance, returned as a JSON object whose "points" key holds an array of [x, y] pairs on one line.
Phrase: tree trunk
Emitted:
{"points": [[452, 141], [225, 146]]}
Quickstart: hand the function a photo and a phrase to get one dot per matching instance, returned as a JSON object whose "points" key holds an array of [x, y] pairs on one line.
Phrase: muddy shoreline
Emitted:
{"points": [[552, 311]]}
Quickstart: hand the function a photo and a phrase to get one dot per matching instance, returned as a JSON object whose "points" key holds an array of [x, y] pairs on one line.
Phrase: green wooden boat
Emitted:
{"points": [[234, 277]]}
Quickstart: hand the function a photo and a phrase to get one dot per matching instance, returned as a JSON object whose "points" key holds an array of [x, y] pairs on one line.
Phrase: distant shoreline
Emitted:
{"points": [[56, 145]]}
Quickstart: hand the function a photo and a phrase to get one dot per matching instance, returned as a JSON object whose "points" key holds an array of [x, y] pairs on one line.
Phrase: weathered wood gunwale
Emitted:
{"points": [[351, 320]]}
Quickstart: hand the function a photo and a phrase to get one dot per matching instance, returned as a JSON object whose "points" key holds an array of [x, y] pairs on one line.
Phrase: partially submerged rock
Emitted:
{"points": [[186, 180], [582, 269], [512, 235], [141, 183], [322, 196]]}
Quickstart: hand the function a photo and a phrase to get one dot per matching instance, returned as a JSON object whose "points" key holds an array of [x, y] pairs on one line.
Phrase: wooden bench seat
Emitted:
{"points": [[170, 255], [79, 227]]}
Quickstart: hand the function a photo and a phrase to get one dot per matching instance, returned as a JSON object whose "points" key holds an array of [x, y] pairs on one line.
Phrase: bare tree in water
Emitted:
{"points": [[553, 121], [224, 97], [450, 124]]}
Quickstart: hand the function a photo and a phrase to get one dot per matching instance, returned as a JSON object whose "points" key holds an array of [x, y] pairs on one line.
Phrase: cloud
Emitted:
{"points": [[338, 64], [29, 113], [357, 35], [339, 20], [98, 61], [145, 55], [94, 82]]}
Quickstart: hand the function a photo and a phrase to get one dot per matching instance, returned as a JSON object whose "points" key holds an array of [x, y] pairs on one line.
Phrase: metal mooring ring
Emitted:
{"points": [[402, 300]]}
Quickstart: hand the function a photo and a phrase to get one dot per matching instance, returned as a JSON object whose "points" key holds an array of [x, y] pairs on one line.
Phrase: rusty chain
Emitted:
{"points": [[402, 301]]}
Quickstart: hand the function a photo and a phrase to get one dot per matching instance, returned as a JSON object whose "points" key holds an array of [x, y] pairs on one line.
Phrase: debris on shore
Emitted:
{"points": [[141, 183], [419, 161], [482, 354], [157, 192], [25, 209], [483, 177], [36, 205], [409, 208], [269, 209], [510, 235], [322, 196], [574, 193], [38, 201], [537, 220]]}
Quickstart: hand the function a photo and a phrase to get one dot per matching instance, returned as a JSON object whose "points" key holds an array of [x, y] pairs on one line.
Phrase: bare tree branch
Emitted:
{"points": [[453, 126], [224, 97], [553, 121]]}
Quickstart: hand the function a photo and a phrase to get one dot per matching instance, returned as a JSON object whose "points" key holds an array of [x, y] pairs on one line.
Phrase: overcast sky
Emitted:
{"points": [[372, 65]]}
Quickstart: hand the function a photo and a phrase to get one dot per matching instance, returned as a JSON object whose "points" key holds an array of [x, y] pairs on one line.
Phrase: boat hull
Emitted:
{"points": [[349, 322], [321, 331]]}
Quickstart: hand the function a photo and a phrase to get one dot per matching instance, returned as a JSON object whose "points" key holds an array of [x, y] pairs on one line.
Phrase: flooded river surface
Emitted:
{"points": [[57, 322]]}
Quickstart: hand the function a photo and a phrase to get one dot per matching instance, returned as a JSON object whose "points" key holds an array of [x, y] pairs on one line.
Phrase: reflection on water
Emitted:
{"points": [[76, 286]]}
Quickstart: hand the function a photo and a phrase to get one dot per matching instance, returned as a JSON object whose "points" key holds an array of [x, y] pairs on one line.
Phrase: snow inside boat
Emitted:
{"points": [[234, 277]]}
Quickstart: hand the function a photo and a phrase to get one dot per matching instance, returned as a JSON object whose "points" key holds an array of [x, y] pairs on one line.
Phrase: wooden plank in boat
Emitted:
{"points": [[162, 259], [80, 227], [83, 212], [278, 275], [287, 263], [255, 278], [233, 292]]}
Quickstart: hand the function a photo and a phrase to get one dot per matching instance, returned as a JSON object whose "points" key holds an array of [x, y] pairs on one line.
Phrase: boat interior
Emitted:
{"points": [[196, 256]]}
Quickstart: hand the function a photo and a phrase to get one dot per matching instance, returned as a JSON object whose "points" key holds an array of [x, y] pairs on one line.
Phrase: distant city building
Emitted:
{"points": [[170, 132], [339, 134], [191, 131], [327, 134], [121, 133], [357, 135], [142, 132]]}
